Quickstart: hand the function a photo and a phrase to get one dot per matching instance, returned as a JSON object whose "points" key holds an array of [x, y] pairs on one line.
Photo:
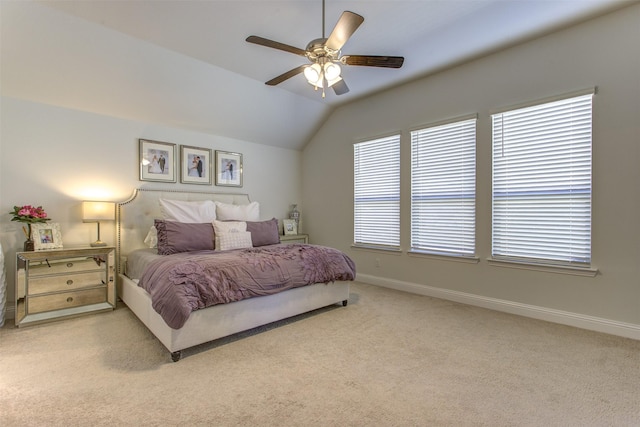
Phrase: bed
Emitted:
{"points": [[134, 218]]}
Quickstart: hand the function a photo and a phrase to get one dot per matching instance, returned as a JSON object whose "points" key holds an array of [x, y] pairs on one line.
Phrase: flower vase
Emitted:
{"points": [[28, 244]]}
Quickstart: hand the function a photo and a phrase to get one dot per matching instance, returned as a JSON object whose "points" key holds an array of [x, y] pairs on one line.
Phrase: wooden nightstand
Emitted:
{"points": [[294, 238], [58, 283]]}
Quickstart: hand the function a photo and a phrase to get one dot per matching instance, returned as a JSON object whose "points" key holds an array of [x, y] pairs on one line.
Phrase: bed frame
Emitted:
{"points": [[134, 218]]}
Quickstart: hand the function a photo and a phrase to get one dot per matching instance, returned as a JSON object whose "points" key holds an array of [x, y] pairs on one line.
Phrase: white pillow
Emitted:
{"points": [[228, 241], [152, 238], [226, 211], [195, 212]]}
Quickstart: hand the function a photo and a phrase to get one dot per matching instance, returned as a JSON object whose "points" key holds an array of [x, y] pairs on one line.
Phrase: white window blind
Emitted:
{"points": [[542, 182], [443, 189], [377, 192]]}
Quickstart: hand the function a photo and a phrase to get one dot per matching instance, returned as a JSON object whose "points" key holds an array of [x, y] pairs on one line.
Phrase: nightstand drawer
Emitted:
{"points": [[63, 300], [65, 282], [63, 266], [294, 238]]}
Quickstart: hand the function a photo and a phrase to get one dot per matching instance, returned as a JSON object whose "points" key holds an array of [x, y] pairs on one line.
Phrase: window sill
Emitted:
{"points": [[454, 258], [396, 251], [549, 268]]}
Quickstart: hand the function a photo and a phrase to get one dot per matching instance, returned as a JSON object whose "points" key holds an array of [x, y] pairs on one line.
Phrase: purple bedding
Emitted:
{"points": [[184, 282]]}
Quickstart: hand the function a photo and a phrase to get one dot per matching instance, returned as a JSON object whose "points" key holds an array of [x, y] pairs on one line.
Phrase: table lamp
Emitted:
{"points": [[96, 212]]}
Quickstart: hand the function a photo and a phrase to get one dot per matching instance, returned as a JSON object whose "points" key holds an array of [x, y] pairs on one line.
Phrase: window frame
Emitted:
{"points": [[460, 183], [551, 262], [364, 226]]}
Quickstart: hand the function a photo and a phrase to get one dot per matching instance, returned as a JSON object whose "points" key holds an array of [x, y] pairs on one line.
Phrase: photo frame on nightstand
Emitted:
{"points": [[46, 236], [290, 227]]}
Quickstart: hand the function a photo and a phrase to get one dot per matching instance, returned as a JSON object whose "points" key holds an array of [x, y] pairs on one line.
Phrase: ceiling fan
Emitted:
{"points": [[325, 55]]}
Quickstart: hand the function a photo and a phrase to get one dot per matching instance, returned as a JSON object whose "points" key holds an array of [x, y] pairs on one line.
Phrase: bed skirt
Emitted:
{"points": [[226, 319]]}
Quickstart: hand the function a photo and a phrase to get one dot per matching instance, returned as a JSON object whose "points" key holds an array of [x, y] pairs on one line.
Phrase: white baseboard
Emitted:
{"points": [[598, 324], [9, 314]]}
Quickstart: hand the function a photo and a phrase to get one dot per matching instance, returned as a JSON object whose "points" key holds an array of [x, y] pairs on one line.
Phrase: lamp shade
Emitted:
{"points": [[98, 211]]}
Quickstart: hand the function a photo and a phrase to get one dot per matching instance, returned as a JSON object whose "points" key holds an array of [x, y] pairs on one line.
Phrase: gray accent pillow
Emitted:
{"points": [[175, 237], [264, 232]]}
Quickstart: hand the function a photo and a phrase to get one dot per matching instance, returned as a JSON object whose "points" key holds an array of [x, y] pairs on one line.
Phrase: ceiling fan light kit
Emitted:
{"points": [[325, 56]]}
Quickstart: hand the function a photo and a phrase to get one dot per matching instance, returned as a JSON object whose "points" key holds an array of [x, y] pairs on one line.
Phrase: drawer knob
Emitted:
{"points": [[69, 264], [70, 299], [69, 282]]}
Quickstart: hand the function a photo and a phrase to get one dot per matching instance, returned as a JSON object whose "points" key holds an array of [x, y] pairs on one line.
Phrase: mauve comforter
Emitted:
{"points": [[184, 282]]}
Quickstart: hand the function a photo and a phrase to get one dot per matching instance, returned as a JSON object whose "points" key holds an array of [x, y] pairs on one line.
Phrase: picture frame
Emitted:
{"points": [[290, 227], [157, 161], [228, 169], [46, 236], [195, 165]]}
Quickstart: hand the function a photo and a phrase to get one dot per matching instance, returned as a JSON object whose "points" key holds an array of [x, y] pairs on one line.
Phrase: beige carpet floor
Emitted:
{"points": [[388, 359]]}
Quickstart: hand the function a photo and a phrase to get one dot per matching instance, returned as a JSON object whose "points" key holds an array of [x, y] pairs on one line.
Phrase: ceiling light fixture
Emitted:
{"points": [[323, 73], [325, 55]]}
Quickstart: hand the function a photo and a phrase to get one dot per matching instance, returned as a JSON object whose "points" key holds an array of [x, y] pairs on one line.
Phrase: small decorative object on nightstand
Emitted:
{"points": [[295, 215], [58, 283], [295, 238], [96, 212]]}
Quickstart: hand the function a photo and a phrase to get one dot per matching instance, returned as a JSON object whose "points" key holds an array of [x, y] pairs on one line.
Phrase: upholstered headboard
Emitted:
{"points": [[135, 216]]}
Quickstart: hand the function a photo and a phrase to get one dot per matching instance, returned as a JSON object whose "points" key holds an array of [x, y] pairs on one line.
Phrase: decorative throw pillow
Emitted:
{"points": [[233, 240], [175, 237], [229, 212], [224, 227], [264, 232], [197, 212]]}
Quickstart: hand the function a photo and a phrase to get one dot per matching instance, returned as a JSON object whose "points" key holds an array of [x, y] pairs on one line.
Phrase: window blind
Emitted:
{"points": [[443, 189], [377, 192], [542, 182]]}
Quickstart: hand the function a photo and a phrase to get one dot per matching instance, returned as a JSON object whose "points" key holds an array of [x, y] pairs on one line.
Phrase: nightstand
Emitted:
{"points": [[59, 283], [294, 238]]}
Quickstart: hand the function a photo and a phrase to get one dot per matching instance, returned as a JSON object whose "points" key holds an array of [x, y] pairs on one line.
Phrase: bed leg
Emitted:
{"points": [[176, 355], [345, 302]]}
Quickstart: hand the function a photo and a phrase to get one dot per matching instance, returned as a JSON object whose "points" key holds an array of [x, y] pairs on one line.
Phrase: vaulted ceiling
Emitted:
{"points": [[186, 63]]}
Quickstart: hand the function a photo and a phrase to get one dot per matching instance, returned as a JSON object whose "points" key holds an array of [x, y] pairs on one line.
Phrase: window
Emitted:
{"points": [[443, 189], [542, 183], [377, 193]]}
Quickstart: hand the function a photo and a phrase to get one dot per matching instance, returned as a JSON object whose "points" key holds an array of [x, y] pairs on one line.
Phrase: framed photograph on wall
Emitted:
{"points": [[195, 165], [46, 236], [157, 161], [290, 227], [228, 169]]}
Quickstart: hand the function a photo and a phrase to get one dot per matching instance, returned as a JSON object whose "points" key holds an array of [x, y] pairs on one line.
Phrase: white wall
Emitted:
{"points": [[604, 53], [57, 157]]}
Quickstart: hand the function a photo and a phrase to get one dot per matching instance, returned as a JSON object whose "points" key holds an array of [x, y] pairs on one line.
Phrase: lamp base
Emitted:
{"points": [[98, 243]]}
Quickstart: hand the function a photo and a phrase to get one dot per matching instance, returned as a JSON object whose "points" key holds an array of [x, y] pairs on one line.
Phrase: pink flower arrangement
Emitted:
{"points": [[29, 214]]}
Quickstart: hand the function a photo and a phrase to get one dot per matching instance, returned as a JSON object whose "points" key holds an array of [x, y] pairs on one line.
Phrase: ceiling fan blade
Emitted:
{"points": [[275, 45], [374, 61], [285, 76], [346, 26], [340, 87]]}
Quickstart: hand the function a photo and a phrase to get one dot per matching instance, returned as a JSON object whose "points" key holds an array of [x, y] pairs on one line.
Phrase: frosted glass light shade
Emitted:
{"points": [[331, 71], [313, 73]]}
